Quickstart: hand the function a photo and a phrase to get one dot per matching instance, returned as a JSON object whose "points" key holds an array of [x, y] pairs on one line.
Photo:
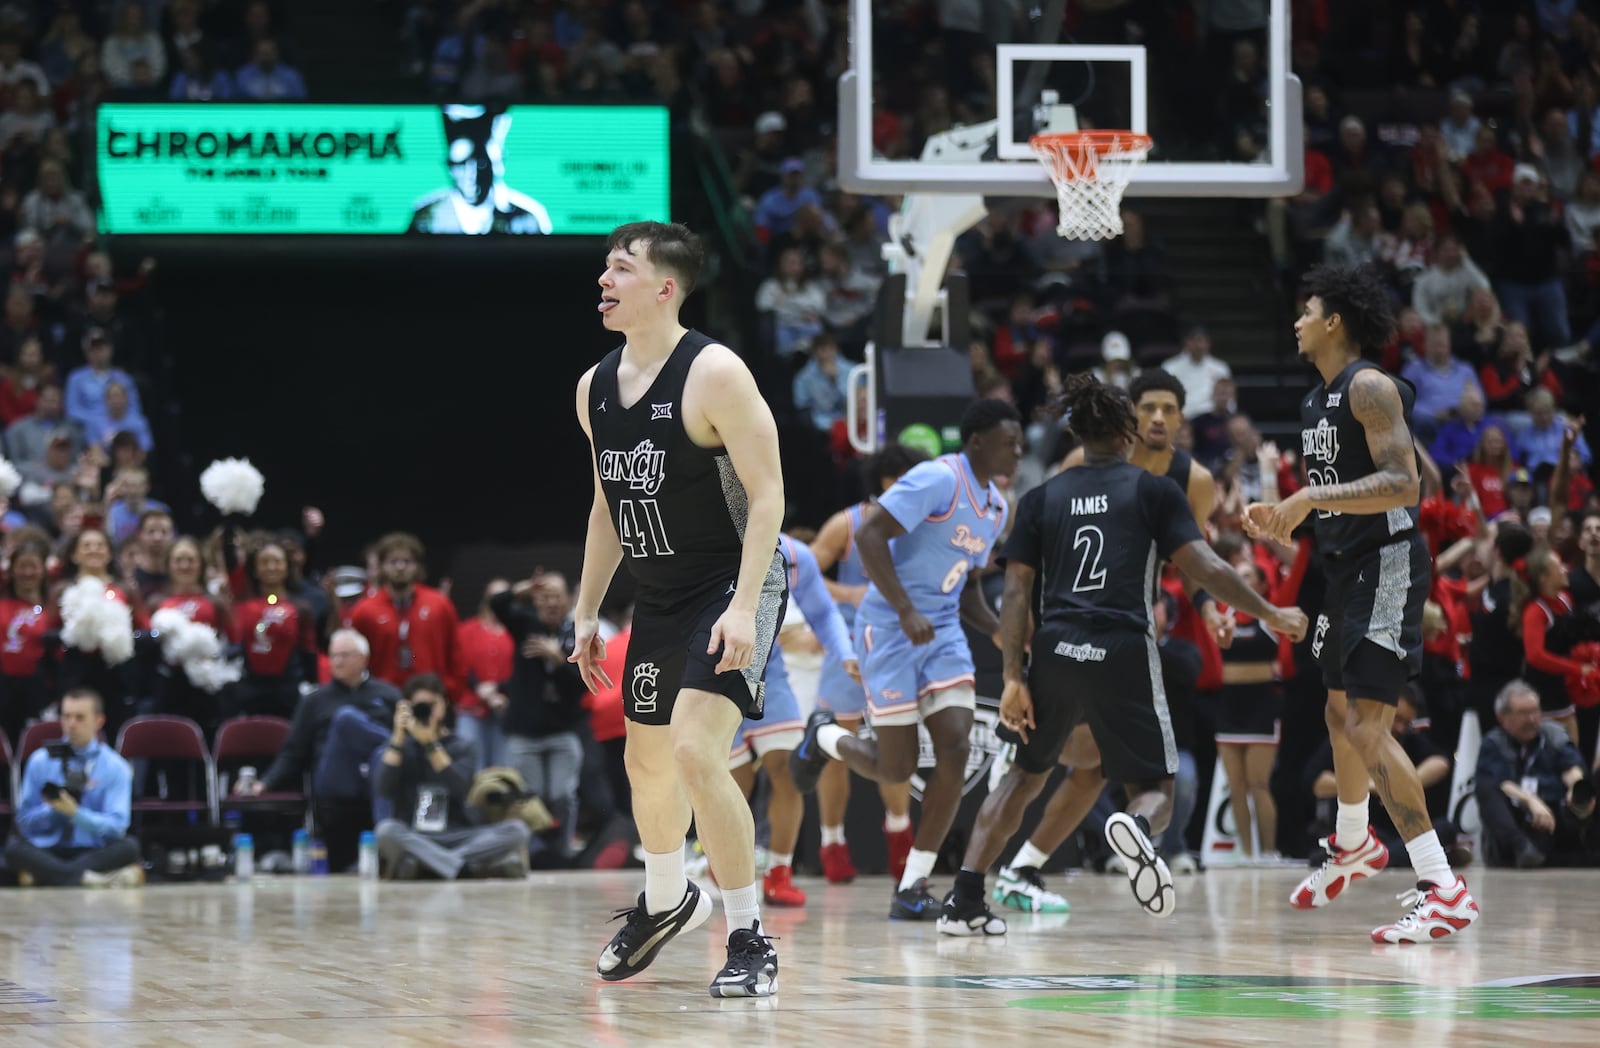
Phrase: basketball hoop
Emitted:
{"points": [[1090, 170]]}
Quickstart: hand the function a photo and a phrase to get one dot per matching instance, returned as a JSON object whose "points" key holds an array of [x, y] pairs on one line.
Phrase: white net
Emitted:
{"points": [[1090, 170]]}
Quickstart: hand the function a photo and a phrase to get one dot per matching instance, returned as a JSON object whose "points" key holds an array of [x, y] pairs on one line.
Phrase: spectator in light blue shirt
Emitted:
{"points": [[86, 386], [120, 417], [1539, 446], [820, 388], [73, 808], [1440, 380], [778, 206], [268, 79]]}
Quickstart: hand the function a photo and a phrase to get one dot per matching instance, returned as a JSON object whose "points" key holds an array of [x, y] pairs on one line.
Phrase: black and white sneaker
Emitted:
{"points": [[970, 917], [808, 760], [633, 947], [752, 968], [1147, 872]]}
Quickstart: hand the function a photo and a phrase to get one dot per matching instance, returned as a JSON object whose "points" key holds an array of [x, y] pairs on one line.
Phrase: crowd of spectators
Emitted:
{"points": [[1478, 198]]}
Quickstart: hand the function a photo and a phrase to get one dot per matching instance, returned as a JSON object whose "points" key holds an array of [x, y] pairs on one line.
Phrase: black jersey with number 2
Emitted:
{"points": [[1096, 535], [680, 509], [1334, 443]]}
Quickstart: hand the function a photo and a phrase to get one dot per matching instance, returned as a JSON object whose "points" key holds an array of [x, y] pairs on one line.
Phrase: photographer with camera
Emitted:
{"points": [[545, 714], [1534, 794], [74, 806], [425, 776]]}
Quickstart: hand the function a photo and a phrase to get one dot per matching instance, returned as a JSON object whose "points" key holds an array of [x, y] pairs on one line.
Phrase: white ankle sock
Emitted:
{"points": [[1351, 828], [1427, 858], [918, 865], [832, 835], [774, 861], [828, 737], [742, 905], [1028, 855], [664, 882], [893, 823]]}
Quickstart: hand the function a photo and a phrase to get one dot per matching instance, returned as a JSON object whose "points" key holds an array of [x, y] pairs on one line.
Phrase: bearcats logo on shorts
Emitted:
{"points": [[643, 687], [1316, 640]]}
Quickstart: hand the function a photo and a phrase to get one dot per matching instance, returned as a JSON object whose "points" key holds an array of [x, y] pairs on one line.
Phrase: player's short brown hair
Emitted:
{"points": [[671, 246]]}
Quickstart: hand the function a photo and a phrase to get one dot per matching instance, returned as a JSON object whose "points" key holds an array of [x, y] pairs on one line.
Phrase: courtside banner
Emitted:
{"points": [[219, 168]]}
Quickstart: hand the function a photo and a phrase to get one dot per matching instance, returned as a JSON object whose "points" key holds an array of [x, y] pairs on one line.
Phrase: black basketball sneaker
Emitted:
{"points": [[915, 903], [752, 968], [807, 759], [634, 946]]}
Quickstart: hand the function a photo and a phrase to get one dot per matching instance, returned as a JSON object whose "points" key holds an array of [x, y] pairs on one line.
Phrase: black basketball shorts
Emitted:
{"points": [[1368, 639], [1250, 714], [1112, 681], [667, 651]]}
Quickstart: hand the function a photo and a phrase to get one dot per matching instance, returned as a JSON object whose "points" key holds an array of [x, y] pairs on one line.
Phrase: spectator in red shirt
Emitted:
{"points": [[411, 627], [26, 617], [1490, 470], [606, 720], [1488, 163], [278, 635], [20, 382], [486, 652]]}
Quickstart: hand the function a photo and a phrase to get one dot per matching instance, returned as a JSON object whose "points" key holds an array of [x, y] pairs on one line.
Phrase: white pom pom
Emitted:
{"points": [[93, 619], [232, 485], [197, 648], [10, 479]]}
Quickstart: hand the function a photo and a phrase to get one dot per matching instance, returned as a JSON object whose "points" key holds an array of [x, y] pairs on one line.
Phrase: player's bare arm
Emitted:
{"points": [[1375, 402], [829, 548], [975, 610], [873, 541], [602, 552], [1199, 561], [1016, 704], [736, 412]]}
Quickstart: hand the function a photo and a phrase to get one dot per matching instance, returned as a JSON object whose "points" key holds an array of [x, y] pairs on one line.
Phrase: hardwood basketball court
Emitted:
{"points": [[332, 961]]}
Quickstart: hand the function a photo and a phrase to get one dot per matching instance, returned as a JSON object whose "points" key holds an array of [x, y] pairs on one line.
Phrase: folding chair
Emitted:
{"points": [[257, 741], [164, 738]]}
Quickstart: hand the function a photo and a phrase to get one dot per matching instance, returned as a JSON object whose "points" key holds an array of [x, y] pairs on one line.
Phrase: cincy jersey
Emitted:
{"points": [[952, 526]]}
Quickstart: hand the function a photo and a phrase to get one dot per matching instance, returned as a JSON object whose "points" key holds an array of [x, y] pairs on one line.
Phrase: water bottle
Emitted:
{"points": [[302, 852], [244, 856], [319, 858], [367, 864]]}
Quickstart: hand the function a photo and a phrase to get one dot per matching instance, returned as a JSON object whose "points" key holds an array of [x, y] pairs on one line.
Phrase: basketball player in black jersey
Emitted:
{"points": [[1158, 399], [1094, 538], [688, 487], [1364, 490]]}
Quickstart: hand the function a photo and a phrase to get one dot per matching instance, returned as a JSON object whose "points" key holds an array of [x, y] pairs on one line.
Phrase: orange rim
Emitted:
{"points": [[1099, 141]]}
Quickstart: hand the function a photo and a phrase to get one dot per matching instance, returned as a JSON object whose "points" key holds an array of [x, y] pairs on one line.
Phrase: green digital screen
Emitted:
{"points": [[215, 168]]}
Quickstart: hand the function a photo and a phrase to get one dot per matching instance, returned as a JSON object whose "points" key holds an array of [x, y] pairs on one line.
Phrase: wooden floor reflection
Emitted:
{"points": [[330, 961]]}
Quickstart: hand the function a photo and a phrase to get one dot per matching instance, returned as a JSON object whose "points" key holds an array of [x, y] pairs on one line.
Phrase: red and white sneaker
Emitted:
{"points": [[777, 887], [837, 865], [900, 844], [1339, 870], [1436, 913]]}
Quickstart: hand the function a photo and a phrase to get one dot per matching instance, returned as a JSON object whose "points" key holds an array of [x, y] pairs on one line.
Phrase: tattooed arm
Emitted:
{"points": [[1375, 402]]}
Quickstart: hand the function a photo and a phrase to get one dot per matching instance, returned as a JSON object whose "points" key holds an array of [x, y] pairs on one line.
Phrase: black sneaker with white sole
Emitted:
{"points": [[808, 760], [752, 968], [634, 946], [970, 917], [1147, 872]]}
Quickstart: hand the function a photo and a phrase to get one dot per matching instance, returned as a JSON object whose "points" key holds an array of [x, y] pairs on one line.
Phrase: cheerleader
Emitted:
{"points": [[277, 634], [99, 618], [1249, 708], [29, 619]]}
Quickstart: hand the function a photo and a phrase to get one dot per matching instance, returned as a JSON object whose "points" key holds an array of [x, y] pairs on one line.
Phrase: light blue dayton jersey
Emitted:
{"points": [[952, 526]]}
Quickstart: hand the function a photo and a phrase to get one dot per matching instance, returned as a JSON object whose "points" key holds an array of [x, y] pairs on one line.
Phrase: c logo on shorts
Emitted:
{"points": [[1316, 640], [643, 687]]}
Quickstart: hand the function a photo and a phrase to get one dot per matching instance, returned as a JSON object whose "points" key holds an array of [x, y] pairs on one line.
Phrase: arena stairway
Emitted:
{"points": [[1224, 279]]}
